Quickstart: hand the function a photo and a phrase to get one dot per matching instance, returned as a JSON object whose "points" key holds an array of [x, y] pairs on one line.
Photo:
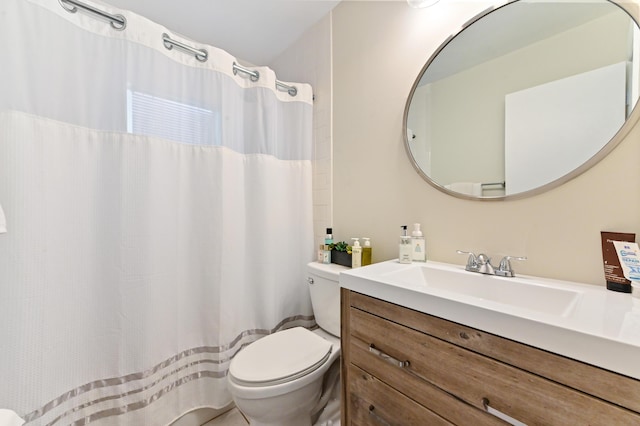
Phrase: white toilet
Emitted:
{"points": [[278, 380]]}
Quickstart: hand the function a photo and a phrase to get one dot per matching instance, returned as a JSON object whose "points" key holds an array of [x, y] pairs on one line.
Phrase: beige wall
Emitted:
{"points": [[378, 50]]}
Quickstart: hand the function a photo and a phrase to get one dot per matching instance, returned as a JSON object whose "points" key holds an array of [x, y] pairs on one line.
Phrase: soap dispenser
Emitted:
{"points": [[405, 253], [356, 254], [418, 245], [366, 251]]}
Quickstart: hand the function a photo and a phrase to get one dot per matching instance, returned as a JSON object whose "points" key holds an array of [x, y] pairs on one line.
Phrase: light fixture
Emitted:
{"points": [[419, 4]]}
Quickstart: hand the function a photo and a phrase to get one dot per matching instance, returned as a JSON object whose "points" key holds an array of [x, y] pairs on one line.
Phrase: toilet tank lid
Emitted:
{"points": [[330, 271], [279, 356]]}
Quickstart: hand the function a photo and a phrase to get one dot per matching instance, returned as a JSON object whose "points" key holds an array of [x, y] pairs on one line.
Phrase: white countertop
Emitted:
{"points": [[601, 327]]}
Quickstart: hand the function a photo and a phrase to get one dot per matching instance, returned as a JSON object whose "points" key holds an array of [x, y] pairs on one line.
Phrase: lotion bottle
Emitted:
{"points": [[418, 245], [356, 254], [366, 252], [405, 253]]}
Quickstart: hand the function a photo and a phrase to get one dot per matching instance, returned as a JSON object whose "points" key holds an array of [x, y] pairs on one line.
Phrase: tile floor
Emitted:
{"points": [[235, 418], [230, 418]]}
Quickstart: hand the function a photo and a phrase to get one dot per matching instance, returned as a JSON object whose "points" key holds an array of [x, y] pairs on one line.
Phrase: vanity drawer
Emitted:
{"points": [[418, 389], [374, 403], [609, 386], [477, 379]]}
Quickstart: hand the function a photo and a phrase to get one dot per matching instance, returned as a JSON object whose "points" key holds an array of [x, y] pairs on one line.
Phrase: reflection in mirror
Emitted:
{"points": [[524, 98]]}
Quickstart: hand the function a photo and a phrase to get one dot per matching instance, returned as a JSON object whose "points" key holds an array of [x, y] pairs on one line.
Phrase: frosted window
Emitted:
{"points": [[176, 121]]}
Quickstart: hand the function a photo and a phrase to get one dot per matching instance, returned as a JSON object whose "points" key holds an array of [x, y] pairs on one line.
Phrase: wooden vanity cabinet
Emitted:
{"points": [[404, 367]]}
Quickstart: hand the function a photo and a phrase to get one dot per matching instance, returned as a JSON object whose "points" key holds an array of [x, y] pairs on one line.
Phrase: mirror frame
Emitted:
{"points": [[624, 130]]}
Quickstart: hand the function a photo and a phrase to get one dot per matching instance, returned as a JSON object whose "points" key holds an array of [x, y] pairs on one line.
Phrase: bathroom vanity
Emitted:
{"points": [[421, 348]]}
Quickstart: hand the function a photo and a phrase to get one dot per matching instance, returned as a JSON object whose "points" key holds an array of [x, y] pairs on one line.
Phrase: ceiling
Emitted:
{"points": [[254, 31]]}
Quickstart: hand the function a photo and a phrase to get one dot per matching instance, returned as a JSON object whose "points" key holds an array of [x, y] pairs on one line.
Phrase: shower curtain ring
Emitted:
{"points": [[120, 23]]}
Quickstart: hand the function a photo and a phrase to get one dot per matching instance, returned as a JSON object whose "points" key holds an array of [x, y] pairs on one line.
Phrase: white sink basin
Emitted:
{"points": [[577, 320], [515, 291]]}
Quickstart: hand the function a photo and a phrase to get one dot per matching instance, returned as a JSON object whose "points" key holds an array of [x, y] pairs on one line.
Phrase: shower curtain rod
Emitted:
{"points": [[290, 89], [118, 22], [254, 75], [200, 54]]}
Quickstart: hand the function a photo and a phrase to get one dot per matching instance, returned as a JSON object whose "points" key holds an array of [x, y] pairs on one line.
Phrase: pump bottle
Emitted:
{"points": [[366, 251], [356, 254], [405, 253], [418, 245]]}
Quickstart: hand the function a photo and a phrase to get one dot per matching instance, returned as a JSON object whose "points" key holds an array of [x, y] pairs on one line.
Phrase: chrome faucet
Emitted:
{"points": [[482, 264]]}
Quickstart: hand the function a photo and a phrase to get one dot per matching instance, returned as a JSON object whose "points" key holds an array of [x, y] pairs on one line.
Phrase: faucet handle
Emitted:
{"points": [[472, 261], [505, 269]]}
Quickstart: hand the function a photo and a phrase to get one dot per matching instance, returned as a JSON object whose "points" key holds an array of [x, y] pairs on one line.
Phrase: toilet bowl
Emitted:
{"points": [[278, 380]]}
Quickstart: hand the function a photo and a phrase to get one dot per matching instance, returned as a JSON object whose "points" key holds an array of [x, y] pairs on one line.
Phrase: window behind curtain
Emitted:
{"points": [[176, 121]]}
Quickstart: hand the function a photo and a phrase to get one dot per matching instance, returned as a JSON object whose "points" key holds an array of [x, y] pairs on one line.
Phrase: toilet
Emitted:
{"points": [[278, 380]]}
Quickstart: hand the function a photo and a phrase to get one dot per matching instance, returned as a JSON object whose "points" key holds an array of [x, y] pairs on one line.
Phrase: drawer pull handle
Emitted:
{"points": [[500, 414], [387, 357], [376, 417]]}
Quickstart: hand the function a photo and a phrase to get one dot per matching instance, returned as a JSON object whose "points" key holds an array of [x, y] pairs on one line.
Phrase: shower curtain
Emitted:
{"points": [[159, 217]]}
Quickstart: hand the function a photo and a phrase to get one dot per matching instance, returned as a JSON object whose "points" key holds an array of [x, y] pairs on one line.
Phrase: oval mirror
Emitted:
{"points": [[524, 98]]}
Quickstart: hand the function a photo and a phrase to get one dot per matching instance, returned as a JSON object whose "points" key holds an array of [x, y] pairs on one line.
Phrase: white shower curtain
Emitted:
{"points": [[158, 212]]}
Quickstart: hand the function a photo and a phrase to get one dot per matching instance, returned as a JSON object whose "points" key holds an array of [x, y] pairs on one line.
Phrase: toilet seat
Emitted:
{"points": [[280, 358]]}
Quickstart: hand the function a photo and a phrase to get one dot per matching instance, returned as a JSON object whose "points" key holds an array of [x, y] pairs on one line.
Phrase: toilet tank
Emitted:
{"points": [[322, 279]]}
